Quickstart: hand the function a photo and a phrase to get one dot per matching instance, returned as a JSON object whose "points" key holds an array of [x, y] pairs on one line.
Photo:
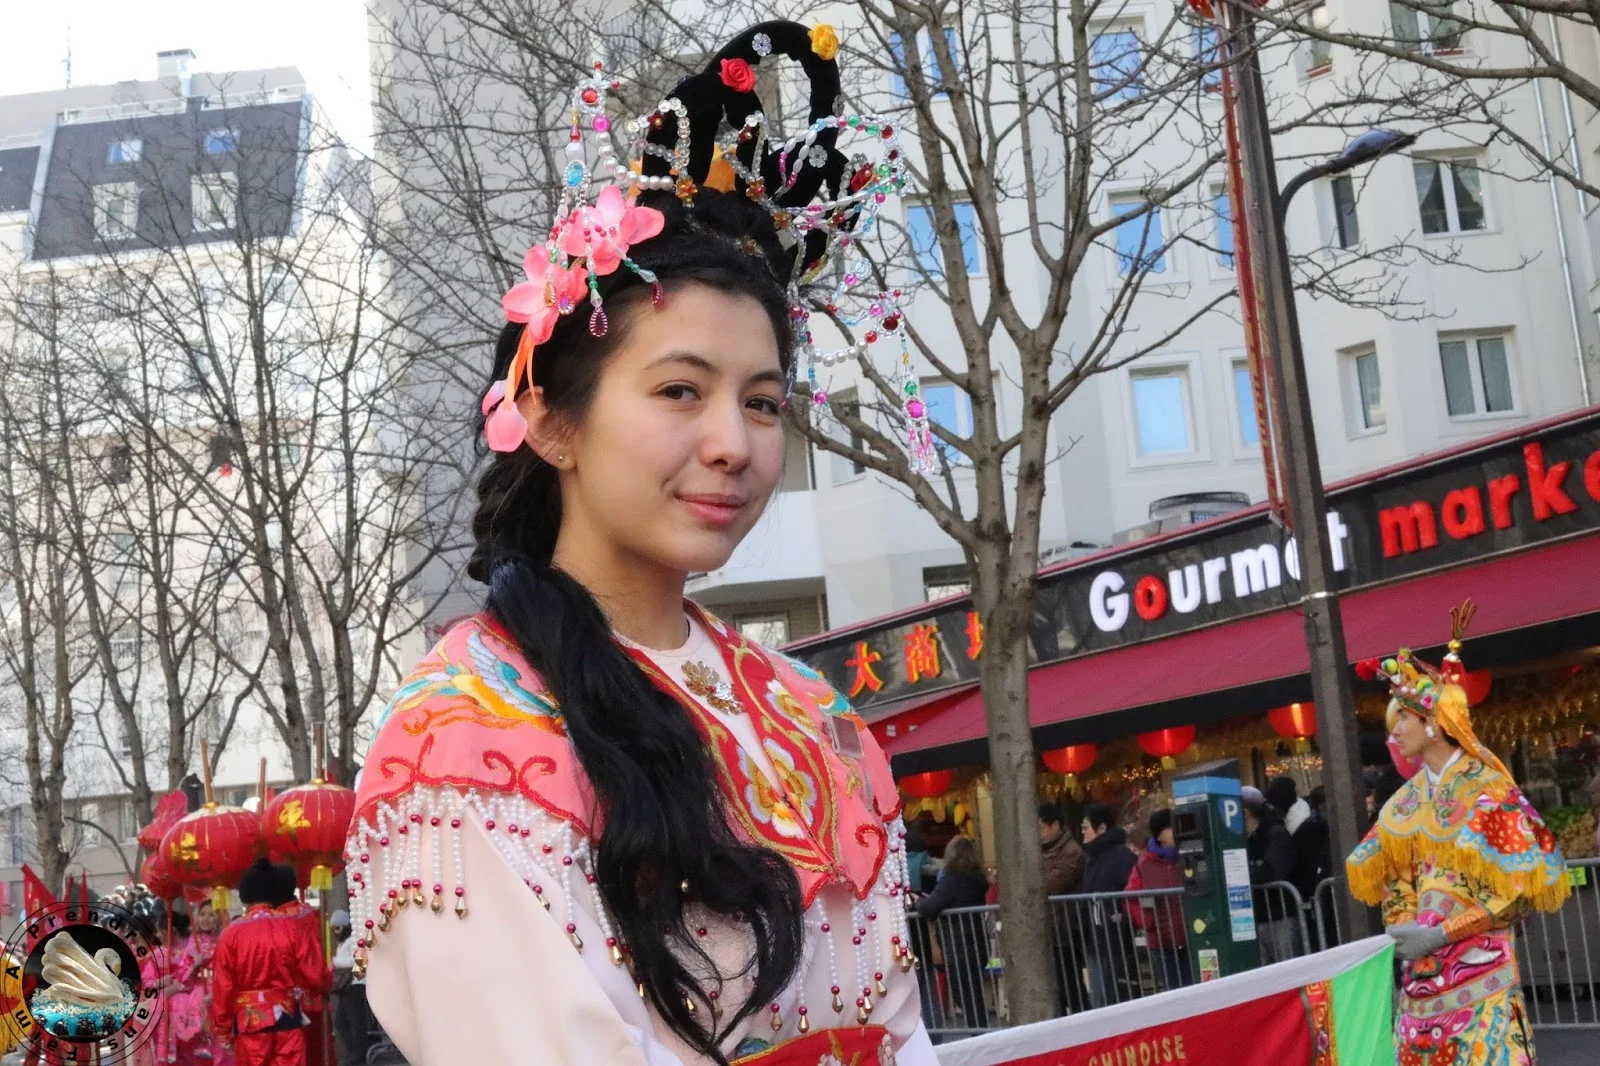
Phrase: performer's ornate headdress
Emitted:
{"points": [[1433, 693], [711, 132]]}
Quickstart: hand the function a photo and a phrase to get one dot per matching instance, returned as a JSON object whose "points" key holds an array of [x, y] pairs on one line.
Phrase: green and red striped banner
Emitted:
{"points": [[1335, 1008]]}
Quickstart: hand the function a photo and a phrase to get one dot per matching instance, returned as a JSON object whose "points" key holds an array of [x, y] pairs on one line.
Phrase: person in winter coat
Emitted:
{"points": [[1313, 859], [963, 938], [1108, 952], [1161, 918], [1064, 858], [1271, 852], [1064, 863]]}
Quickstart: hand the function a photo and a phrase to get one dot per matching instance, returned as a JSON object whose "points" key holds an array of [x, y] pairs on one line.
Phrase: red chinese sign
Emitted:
{"points": [[861, 664]]}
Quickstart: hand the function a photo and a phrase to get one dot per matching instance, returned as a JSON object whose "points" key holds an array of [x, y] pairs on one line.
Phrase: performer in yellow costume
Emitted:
{"points": [[1457, 859]]}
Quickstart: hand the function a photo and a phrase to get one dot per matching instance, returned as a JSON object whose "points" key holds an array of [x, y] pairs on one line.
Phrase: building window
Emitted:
{"points": [[124, 649], [14, 832], [222, 141], [127, 818], [215, 200], [1317, 54], [1346, 226], [1139, 242], [931, 70], [1163, 422], [221, 454], [951, 408], [123, 560], [1244, 399], [277, 284], [120, 462], [124, 151], [1477, 376], [1450, 195], [196, 369], [116, 210], [1222, 213], [1420, 26], [925, 243], [1208, 56], [941, 582], [768, 630], [1115, 66], [1365, 387]]}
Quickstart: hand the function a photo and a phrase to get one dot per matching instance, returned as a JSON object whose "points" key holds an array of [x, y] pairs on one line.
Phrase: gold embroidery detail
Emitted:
{"points": [[704, 681]]}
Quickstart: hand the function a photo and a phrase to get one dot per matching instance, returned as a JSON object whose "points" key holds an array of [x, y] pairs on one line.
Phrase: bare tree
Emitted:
{"points": [[1464, 64]]}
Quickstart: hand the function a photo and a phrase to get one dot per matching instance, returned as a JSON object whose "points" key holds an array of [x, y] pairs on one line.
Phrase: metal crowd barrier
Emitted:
{"points": [[1109, 948], [1558, 956], [1118, 946]]}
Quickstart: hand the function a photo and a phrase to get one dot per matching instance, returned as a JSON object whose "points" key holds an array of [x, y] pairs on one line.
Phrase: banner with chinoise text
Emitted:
{"points": [[1335, 1008]]}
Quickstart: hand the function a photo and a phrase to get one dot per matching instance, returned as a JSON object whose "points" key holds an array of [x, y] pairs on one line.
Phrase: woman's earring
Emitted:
{"points": [[1429, 730]]}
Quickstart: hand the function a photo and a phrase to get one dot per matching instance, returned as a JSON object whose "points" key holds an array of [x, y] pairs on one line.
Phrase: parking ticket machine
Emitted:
{"points": [[1218, 911]]}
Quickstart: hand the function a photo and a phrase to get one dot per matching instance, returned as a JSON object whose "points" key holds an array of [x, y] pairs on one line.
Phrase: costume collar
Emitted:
{"points": [[1435, 778]]}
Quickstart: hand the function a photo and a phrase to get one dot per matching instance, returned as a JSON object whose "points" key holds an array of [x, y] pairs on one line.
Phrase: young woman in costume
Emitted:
{"points": [[1457, 859], [598, 825]]}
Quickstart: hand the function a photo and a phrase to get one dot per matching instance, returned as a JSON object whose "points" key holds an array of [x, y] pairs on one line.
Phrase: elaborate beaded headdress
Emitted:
{"points": [[712, 133]]}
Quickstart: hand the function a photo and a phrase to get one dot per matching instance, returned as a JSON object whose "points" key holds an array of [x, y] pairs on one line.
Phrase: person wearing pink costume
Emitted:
{"points": [[189, 1007], [160, 968]]}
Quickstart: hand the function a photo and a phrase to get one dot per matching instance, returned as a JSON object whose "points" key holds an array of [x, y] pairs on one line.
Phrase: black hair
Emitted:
{"points": [[1100, 817], [1282, 794], [1050, 813], [284, 883], [1317, 798], [654, 786], [258, 884], [1160, 820]]}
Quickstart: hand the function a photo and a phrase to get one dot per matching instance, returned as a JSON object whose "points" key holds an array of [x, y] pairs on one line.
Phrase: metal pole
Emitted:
{"points": [[1330, 667]]}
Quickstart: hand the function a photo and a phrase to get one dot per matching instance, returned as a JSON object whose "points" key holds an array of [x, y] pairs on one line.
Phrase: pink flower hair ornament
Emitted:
{"points": [[588, 242]]}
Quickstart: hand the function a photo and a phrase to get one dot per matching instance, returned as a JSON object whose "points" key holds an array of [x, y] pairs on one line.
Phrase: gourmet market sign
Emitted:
{"points": [[1508, 495]]}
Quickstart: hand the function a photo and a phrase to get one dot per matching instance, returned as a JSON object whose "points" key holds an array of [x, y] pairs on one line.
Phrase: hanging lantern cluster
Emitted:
{"points": [[1070, 761], [1167, 744], [156, 876], [210, 849], [1295, 722], [306, 826], [927, 785]]}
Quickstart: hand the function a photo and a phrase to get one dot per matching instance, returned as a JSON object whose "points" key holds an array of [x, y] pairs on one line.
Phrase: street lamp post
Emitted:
{"points": [[1307, 504]]}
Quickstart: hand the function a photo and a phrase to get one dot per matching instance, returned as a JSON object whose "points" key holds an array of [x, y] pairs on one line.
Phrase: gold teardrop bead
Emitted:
{"points": [[461, 906]]}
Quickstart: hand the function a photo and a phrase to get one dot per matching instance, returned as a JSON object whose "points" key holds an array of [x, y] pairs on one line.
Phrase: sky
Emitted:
{"points": [[117, 40]]}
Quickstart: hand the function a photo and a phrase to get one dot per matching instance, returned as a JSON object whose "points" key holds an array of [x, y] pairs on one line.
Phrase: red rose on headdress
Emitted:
{"points": [[1367, 669], [737, 75]]}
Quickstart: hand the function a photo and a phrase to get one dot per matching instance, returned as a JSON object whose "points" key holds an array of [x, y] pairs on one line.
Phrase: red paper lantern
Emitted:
{"points": [[172, 806], [211, 848], [1297, 721], [306, 826], [927, 785], [157, 877], [1073, 759], [1167, 744], [1476, 684]]}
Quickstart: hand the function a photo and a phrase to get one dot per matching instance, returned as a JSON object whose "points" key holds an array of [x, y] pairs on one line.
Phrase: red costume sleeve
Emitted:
{"points": [[313, 972], [222, 986]]}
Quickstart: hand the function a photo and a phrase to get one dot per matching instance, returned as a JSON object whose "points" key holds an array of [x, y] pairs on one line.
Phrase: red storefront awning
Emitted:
{"points": [[1512, 592]]}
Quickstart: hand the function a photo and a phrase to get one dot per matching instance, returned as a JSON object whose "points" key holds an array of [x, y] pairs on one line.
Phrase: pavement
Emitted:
{"points": [[1566, 1047]]}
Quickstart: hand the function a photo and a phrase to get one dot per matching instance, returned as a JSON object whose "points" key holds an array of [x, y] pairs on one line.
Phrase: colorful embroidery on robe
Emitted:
{"points": [[1470, 855]]}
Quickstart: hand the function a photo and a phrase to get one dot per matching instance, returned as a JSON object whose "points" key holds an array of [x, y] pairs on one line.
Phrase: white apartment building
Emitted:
{"points": [[148, 231]]}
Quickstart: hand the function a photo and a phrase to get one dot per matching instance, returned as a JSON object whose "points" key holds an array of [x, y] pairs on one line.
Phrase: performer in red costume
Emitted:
{"points": [[260, 961], [309, 923]]}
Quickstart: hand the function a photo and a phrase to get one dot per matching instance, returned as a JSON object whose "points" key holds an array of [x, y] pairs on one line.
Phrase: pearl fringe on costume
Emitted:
{"points": [[544, 850]]}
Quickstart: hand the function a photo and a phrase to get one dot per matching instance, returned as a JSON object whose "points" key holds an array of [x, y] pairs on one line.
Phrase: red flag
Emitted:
{"points": [[35, 896]]}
